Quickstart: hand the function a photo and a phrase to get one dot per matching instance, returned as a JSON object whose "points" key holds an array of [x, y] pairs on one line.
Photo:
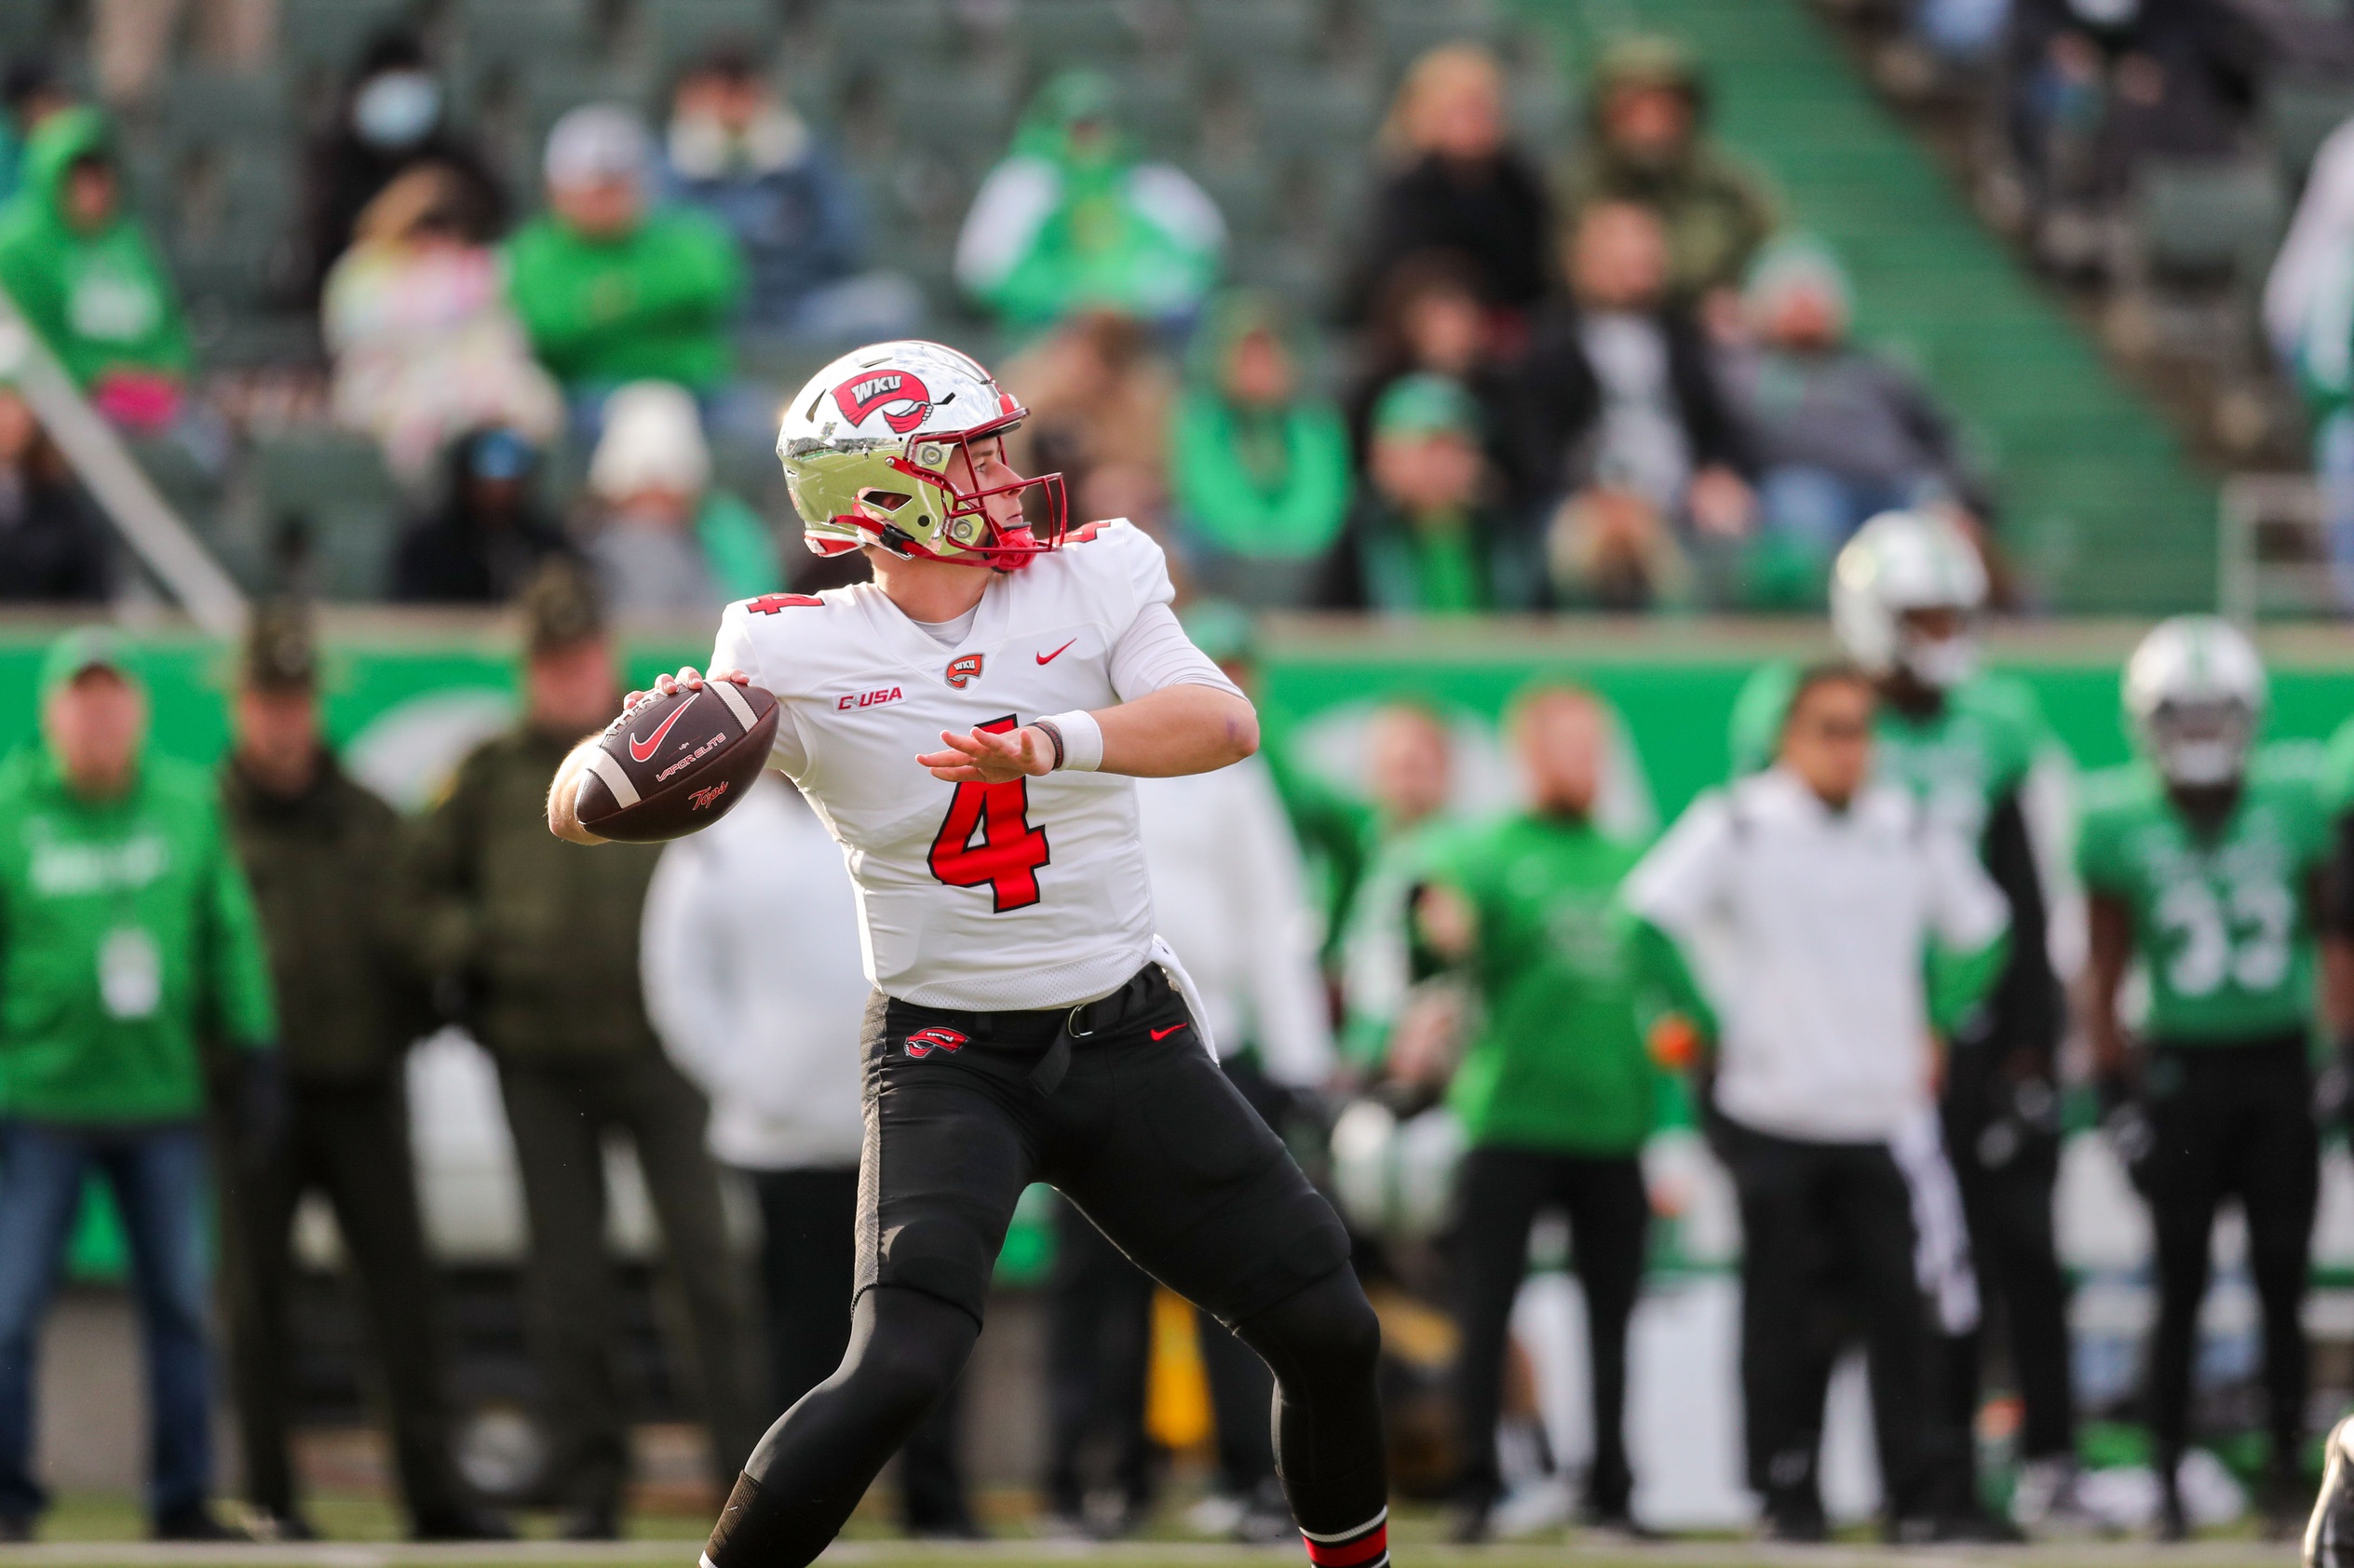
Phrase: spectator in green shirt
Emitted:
{"points": [[1555, 1091], [1260, 464], [128, 944], [87, 277], [1426, 537], [611, 287]]}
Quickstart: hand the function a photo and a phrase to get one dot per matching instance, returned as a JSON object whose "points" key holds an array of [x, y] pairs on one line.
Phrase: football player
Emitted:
{"points": [[1974, 749], [2203, 859], [968, 724]]}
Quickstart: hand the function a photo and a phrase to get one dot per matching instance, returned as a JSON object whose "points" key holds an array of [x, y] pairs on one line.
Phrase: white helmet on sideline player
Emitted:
{"points": [[867, 445], [1901, 565], [2195, 693]]}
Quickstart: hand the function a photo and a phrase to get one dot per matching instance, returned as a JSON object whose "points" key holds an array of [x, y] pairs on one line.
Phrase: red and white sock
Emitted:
{"points": [[1367, 1546]]}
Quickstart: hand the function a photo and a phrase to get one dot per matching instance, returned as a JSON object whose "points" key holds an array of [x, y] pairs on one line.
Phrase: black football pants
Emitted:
{"points": [[2230, 1120], [1117, 1104]]}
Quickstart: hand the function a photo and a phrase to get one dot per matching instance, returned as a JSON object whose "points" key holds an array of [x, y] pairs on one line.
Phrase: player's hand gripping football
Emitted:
{"points": [[989, 756], [688, 677]]}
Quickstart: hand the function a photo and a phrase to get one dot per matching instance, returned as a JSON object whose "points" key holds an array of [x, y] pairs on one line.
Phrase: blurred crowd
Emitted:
{"points": [[1851, 969], [1598, 374]]}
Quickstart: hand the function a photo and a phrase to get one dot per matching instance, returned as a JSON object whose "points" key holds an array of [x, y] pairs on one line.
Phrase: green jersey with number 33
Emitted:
{"points": [[2221, 919]]}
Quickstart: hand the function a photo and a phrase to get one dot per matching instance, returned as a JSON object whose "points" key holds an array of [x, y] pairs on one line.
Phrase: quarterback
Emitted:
{"points": [[966, 725]]}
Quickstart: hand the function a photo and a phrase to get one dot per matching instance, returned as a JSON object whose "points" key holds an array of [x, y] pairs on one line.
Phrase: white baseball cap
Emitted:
{"points": [[597, 143]]}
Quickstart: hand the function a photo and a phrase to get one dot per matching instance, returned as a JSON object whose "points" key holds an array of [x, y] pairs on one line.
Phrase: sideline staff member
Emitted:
{"points": [[2205, 859], [1556, 1095], [1839, 925]]}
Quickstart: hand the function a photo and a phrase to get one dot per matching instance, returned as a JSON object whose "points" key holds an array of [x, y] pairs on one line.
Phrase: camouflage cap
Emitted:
{"points": [[281, 652], [561, 607]]}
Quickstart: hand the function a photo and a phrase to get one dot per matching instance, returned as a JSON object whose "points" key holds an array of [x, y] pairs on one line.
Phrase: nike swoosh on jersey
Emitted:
{"points": [[1049, 658], [1165, 1033], [640, 750]]}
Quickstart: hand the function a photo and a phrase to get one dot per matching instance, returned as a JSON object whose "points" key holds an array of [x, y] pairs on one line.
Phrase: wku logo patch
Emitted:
{"points": [[773, 604], [964, 670], [924, 1042], [901, 398]]}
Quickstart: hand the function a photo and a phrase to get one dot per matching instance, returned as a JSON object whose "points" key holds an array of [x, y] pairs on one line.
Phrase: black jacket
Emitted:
{"points": [[452, 557], [1559, 403], [54, 548], [1495, 215]]}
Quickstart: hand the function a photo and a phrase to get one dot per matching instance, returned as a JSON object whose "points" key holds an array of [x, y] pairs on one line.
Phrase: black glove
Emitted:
{"points": [[257, 1109], [2125, 1124]]}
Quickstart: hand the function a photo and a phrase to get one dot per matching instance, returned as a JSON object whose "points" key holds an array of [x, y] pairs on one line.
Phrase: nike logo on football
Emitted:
{"points": [[1049, 658], [1165, 1033], [642, 749]]}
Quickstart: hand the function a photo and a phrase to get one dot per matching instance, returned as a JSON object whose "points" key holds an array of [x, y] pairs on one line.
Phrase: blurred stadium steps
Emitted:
{"points": [[2100, 507]]}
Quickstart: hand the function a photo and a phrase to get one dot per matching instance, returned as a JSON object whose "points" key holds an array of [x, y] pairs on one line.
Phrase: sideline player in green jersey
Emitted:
{"points": [[1555, 1093], [2204, 860], [1973, 748]]}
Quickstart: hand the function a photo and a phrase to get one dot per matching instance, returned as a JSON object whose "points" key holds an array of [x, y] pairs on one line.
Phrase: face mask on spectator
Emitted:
{"points": [[397, 109], [704, 146]]}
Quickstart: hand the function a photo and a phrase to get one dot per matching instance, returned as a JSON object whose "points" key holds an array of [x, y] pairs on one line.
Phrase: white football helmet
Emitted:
{"points": [[1897, 563], [2195, 693], [867, 445]]}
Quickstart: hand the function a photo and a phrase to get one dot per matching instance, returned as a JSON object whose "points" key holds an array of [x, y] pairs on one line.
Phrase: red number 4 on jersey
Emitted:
{"points": [[1009, 852]]}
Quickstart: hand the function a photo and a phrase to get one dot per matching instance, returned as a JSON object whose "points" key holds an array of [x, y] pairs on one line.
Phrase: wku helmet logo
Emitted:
{"points": [[887, 391], [924, 1042], [963, 671]]}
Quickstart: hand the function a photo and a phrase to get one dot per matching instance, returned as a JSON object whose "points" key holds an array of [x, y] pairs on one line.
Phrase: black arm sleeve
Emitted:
{"points": [[2024, 1012], [2337, 909]]}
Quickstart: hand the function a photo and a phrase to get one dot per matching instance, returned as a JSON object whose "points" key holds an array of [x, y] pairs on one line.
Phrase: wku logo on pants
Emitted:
{"points": [[924, 1042]]}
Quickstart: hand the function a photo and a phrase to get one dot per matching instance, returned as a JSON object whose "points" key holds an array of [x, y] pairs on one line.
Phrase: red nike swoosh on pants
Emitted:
{"points": [[1165, 1033], [640, 750]]}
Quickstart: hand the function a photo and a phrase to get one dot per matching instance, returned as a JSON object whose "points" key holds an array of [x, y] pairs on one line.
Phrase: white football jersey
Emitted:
{"points": [[988, 896]]}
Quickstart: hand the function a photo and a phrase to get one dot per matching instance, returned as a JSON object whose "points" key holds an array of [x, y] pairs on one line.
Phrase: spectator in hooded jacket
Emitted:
{"points": [[423, 341], [490, 533], [1261, 464], [735, 149], [1456, 183], [53, 546], [88, 279], [614, 286], [393, 117], [1648, 143], [1073, 219], [1838, 434]]}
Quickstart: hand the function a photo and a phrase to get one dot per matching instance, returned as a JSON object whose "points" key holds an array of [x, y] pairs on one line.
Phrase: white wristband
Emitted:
{"points": [[1082, 740]]}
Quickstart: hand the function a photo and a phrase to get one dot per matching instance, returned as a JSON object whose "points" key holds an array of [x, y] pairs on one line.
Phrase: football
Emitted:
{"points": [[670, 764]]}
